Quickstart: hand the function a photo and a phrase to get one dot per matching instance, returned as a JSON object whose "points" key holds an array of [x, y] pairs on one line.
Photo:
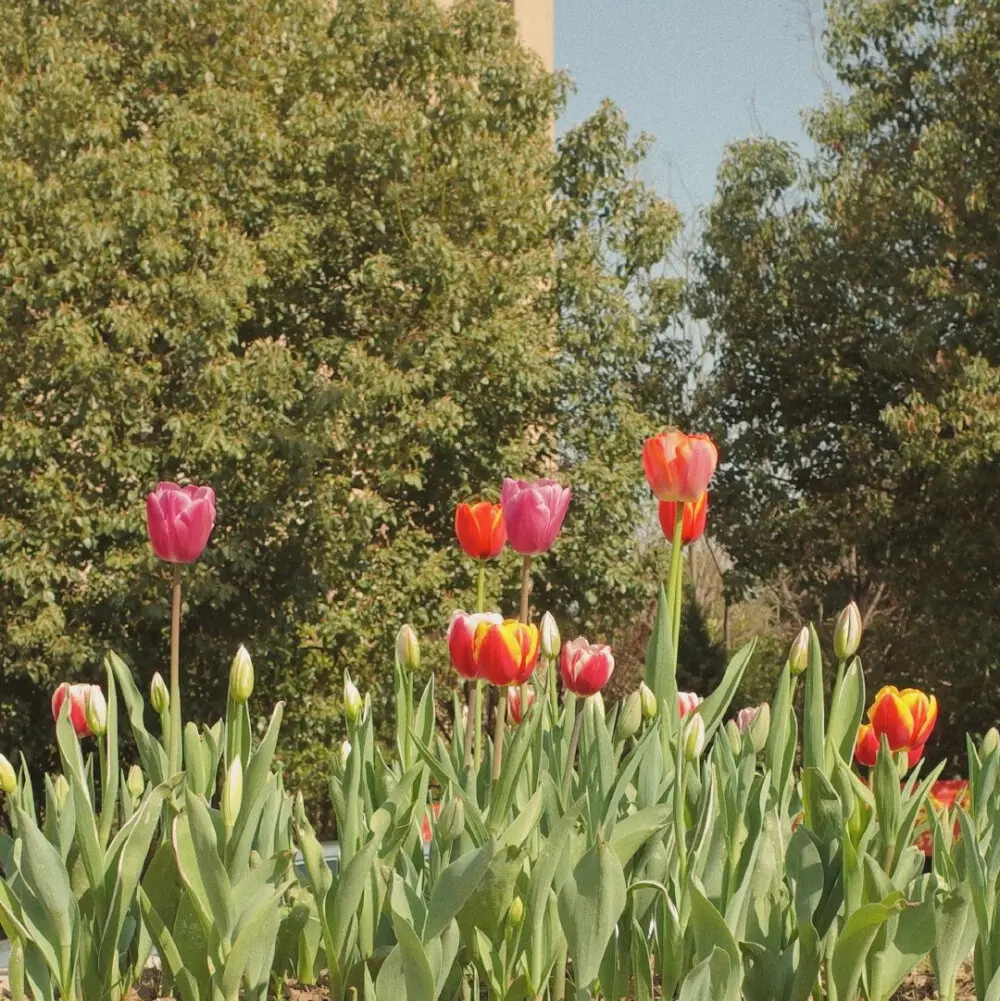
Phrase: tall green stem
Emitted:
{"points": [[498, 731], [574, 740], [675, 583], [174, 753], [525, 595], [476, 717]]}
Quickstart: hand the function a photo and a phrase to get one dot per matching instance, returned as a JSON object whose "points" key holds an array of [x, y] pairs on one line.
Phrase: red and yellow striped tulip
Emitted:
{"points": [[505, 653]]}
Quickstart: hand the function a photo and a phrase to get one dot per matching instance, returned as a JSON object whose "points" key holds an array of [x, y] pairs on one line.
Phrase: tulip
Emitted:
{"points": [[756, 721], [451, 820], [745, 717], [551, 641], [905, 717], [60, 791], [515, 914], [734, 736], [344, 753], [159, 697], [798, 654], [629, 717], [232, 794], [693, 519], [426, 831], [866, 746], [8, 777], [533, 513], [514, 709], [480, 529], [180, 520], [135, 783], [353, 706], [586, 667], [505, 653], [241, 677], [679, 466], [77, 706], [96, 711], [687, 702], [847, 632], [648, 701], [461, 634], [990, 743], [407, 648], [694, 737]]}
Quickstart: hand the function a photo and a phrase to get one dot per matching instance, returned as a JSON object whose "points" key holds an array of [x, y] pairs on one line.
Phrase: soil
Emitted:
{"points": [[919, 986]]}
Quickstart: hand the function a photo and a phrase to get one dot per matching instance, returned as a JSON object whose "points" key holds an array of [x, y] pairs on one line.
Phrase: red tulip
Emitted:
{"points": [[426, 828], [693, 519], [679, 466], [514, 711], [687, 702], [906, 717], [480, 529], [77, 706], [180, 520], [586, 667], [533, 514], [505, 653], [866, 746], [461, 634]]}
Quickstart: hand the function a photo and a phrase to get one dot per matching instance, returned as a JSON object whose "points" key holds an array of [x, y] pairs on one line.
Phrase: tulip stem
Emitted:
{"points": [[675, 584], [476, 717], [174, 753], [574, 740], [498, 731], [553, 695], [525, 594]]}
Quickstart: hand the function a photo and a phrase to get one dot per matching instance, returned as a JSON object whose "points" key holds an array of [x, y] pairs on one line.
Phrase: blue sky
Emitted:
{"points": [[697, 74]]}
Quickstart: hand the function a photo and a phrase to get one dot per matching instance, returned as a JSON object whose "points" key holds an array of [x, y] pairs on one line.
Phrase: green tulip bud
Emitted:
{"points": [[515, 914], [798, 655], [8, 777], [760, 727], [451, 821], [648, 701], [734, 736], [96, 711], [241, 677], [629, 717], [694, 737], [60, 790], [550, 640], [990, 743], [344, 753], [353, 705], [232, 794], [136, 782], [407, 649], [847, 632], [159, 697]]}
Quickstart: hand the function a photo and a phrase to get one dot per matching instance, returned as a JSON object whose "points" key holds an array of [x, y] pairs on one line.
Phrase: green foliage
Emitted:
{"points": [[327, 259], [851, 297]]}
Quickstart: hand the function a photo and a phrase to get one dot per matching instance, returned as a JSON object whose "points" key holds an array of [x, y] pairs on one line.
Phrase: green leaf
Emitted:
{"points": [[635, 830], [406, 974], [591, 901], [813, 720], [714, 708], [218, 889], [854, 941], [846, 712], [708, 980], [454, 886]]}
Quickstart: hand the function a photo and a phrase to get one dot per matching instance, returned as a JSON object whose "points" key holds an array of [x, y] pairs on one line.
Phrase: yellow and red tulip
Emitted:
{"points": [[906, 719], [480, 529], [505, 653], [693, 519], [679, 466]]}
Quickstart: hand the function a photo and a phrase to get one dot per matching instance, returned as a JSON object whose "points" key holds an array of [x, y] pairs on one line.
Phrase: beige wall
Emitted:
{"points": [[536, 21]]}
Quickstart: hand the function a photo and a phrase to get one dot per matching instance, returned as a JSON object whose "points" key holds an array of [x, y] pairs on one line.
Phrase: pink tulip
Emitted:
{"points": [[586, 667], [533, 514], [461, 633], [180, 520], [687, 702], [745, 717], [77, 705]]}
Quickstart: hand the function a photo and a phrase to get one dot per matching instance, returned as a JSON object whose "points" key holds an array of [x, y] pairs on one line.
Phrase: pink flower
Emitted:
{"points": [[514, 711], [461, 633], [745, 717], [586, 667], [180, 520], [533, 514], [77, 705], [687, 702]]}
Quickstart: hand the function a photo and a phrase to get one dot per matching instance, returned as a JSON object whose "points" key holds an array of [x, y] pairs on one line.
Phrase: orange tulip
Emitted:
{"points": [[505, 654], [693, 520], [480, 529], [679, 466], [906, 719]]}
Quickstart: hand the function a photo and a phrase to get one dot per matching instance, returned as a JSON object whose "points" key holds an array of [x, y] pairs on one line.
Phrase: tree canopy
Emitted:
{"points": [[327, 259], [853, 297]]}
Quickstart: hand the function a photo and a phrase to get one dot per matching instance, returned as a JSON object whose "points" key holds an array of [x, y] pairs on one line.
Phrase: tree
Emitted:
{"points": [[325, 258], [853, 297]]}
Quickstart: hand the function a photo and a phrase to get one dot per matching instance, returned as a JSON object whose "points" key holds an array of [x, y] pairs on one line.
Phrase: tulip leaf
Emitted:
{"points": [[350, 887], [855, 941], [714, 707], [151, 753], [897, 950], [168, 950], [632, 832], [661, 668], [955, 932], [406, 974], [510, 772], [218, 889], [524, 823], [260, 910], [708, 980], [813, 710], [710, 929], [845, 713], [456, 883], [590, 903]]}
